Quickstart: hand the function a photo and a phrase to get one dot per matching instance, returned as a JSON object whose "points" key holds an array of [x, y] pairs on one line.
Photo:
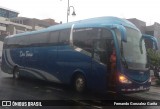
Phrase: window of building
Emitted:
{"points": [[12, 14], [1, 24], [3, 13]]}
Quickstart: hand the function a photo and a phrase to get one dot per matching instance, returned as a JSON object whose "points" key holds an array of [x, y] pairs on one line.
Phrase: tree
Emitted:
{"points": [[153, 57], [154, 61]]}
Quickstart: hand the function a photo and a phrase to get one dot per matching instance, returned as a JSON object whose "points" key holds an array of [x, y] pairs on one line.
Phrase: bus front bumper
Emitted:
{"points": [[133, 88]]}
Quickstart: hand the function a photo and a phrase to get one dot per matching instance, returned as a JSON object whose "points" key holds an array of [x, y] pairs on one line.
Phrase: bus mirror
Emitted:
{"points": [[122, 30], [152, 39], [123, 33]]}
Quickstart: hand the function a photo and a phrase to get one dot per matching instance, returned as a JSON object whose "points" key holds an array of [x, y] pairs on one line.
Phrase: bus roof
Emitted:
{"points": [[92, 22]]}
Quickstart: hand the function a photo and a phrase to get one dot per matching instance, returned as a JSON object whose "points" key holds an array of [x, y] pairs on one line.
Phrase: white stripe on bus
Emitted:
{"points": [[33, 73], [8, 64], [46, 75], [9, 57]]}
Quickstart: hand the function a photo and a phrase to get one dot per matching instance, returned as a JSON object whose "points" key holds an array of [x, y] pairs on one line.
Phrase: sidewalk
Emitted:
{"points": [[153, 78], [152, 94], [154, 89]]}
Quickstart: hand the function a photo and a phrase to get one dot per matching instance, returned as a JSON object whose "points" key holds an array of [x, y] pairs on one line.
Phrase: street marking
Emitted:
{"points": [[54, 88], [48, 91]]}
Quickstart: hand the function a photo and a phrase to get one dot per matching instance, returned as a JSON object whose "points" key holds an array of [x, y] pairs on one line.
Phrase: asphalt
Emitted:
{"points": [[26, 89], [152, 94]]}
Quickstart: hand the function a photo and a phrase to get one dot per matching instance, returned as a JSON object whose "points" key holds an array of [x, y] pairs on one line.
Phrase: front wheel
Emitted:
{"points": [[80, 83], [16, 73]]}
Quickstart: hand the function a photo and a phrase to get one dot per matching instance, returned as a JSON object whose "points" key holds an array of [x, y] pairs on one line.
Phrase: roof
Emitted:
{"points": [[9, 9], [93, 22]]}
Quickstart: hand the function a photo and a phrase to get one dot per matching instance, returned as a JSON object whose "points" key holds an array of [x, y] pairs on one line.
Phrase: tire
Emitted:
{"points": [[80, 83], [16, 73]]}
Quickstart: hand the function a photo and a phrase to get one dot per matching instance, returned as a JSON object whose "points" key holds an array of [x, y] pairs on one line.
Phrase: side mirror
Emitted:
{"points": [[152, 39], [122, 30]]}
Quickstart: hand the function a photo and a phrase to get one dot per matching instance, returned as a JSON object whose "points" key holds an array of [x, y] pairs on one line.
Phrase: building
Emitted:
{"points": [[8, 13], [139, 24], [9, 28], [36, 24], [5, 14], [11, 24], [153, 30], [50, 21]]}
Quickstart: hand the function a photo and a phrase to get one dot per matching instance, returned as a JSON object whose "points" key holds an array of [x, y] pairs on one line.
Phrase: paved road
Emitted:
{"points": [[28, 89]]}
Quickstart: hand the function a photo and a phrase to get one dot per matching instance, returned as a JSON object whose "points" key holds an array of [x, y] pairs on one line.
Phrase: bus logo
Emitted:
{"points": [[26, 54], [6, 103], [141, 73]]}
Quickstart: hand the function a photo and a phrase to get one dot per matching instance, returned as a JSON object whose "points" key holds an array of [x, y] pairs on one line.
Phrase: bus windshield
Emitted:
{"points": [[131, 51]]}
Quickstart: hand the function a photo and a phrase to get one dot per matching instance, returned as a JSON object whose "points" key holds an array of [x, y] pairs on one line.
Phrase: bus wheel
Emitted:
{"points": [[16, 73], [80, 83]]}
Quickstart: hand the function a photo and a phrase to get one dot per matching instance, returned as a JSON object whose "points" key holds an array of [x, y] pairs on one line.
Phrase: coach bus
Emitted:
{"points": [[101, 54]]}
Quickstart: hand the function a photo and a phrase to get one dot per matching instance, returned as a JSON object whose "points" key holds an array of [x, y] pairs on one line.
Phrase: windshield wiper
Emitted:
{"points": [[123, 58]]}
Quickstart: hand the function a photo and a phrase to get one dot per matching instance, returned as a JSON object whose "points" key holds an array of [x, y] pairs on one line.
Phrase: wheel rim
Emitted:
{"points": [[80, 84]]}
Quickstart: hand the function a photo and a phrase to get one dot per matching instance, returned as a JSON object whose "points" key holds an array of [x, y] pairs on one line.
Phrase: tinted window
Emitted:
{"points": [[22, 40], [64, 36], [83, 38], [11, 41], [5, 43], [53, 39], [39, 39], [106, 34]]}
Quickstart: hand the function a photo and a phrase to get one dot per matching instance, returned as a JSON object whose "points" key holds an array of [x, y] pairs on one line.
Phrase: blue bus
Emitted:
{"points": [[101, 54]]}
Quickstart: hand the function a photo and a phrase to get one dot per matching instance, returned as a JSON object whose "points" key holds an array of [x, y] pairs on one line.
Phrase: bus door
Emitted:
{"points": [[102, 64]]}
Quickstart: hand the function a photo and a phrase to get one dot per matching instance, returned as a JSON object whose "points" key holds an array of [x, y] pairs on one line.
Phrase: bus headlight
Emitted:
{"points": [[124, 80]]}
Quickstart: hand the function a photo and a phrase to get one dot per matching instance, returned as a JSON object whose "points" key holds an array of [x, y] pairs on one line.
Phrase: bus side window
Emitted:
{"points": [[23, 41], [83, 38], [39, 39], [64, 36], [100, 51], [5, 44], [103, 47], [53, 39], [12, 42], [107, 35]]}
